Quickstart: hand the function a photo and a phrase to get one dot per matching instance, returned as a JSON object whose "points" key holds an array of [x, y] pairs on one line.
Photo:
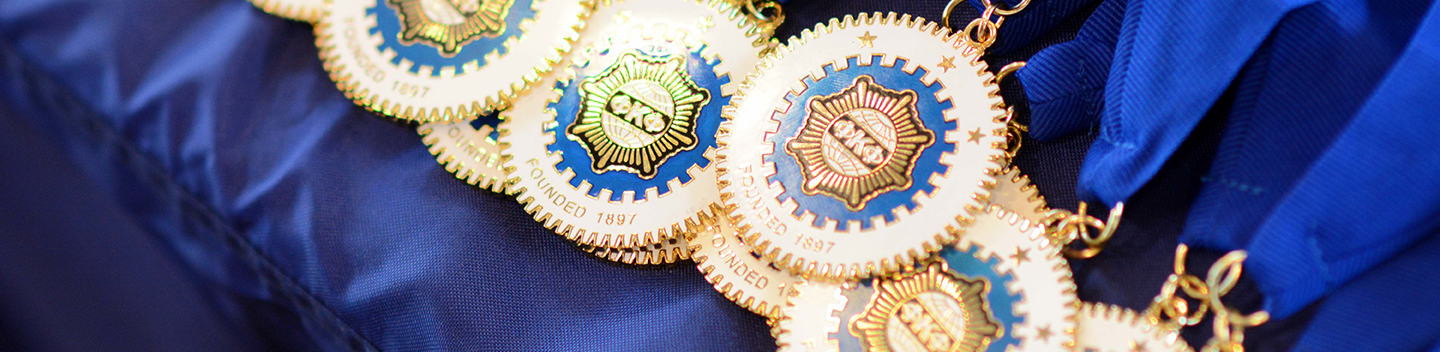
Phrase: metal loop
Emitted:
{"points": [[949, 9], [1007, 70], [1007, 12], [1077, 226], [980, 33], [1194, 288], [759, 12], [1229, 268], [1014, 139], [1169, 309], [1180, 252]]}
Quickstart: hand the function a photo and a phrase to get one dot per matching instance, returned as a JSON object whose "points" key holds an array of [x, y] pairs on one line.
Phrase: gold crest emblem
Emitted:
{"points": [[450, 24], [859, 142], [637, 113], [931, 310]]}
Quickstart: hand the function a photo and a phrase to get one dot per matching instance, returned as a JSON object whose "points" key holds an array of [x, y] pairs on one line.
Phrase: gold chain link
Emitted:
{"points": [[980, 33], [1230, 324], [1064, 227], [1172, 311], [756, 10]]}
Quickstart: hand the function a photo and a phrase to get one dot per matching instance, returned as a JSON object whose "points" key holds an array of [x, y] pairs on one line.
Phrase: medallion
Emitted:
{"points": [[740, 275], [468, 149], [443, 60], [857, 148], [1107, 328], [618, 151], [1002, 288], [298, 10]]}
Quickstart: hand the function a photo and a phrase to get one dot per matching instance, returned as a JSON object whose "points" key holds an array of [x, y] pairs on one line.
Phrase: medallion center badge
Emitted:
{"points": [[859, 142], [448, 25], [931, 310], [637, 113]]}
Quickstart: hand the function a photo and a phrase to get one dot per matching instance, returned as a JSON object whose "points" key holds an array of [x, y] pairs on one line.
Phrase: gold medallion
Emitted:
{"points": [[637, 113], [859, 142], [857, 149], [618, 148], [444, 60], [449, 24], [932, 310]]}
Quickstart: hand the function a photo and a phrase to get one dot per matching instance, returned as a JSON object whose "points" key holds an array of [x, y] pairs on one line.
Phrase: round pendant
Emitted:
{"points": [[740, 275], [298, 10], [1003, 288], [618, 151], [441, 60], [469, 150], [857, 148], [1107, 328]]}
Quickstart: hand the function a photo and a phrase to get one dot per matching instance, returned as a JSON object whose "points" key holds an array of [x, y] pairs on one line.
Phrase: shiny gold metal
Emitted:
{"points": [[1013, 192], [638, 113], [1171, 310], [1007, 12], [659, 253], [949, 8], [981, 32], [757, 8], [431, 92], [299, 10], [1229, 324], [739, 274], [829, 251], [860, 142], [928, 306], [447, 25], [1007, 70], [1065, 227]]}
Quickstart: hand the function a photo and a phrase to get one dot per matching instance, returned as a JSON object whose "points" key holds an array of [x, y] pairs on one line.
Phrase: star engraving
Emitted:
{"points": [[1043, 333], [947, 63], [1021, 255], [867, 40], [705, 23], [975, 136], [623, 17]]}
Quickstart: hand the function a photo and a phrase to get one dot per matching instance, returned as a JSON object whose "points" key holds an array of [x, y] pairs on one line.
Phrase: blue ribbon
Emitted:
{"points": [[1327, 166]]}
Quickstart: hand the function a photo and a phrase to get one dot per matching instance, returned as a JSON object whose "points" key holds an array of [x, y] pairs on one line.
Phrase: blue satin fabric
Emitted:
{"points": [[240, 203], [1324, 170], [229, 113]]}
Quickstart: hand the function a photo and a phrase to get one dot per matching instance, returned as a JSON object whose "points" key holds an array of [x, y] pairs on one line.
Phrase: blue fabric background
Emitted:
{"points": [[180, 175]]}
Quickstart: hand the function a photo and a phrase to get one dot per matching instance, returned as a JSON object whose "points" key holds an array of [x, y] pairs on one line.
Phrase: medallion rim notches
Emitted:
{"points": [[370, 75]]}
